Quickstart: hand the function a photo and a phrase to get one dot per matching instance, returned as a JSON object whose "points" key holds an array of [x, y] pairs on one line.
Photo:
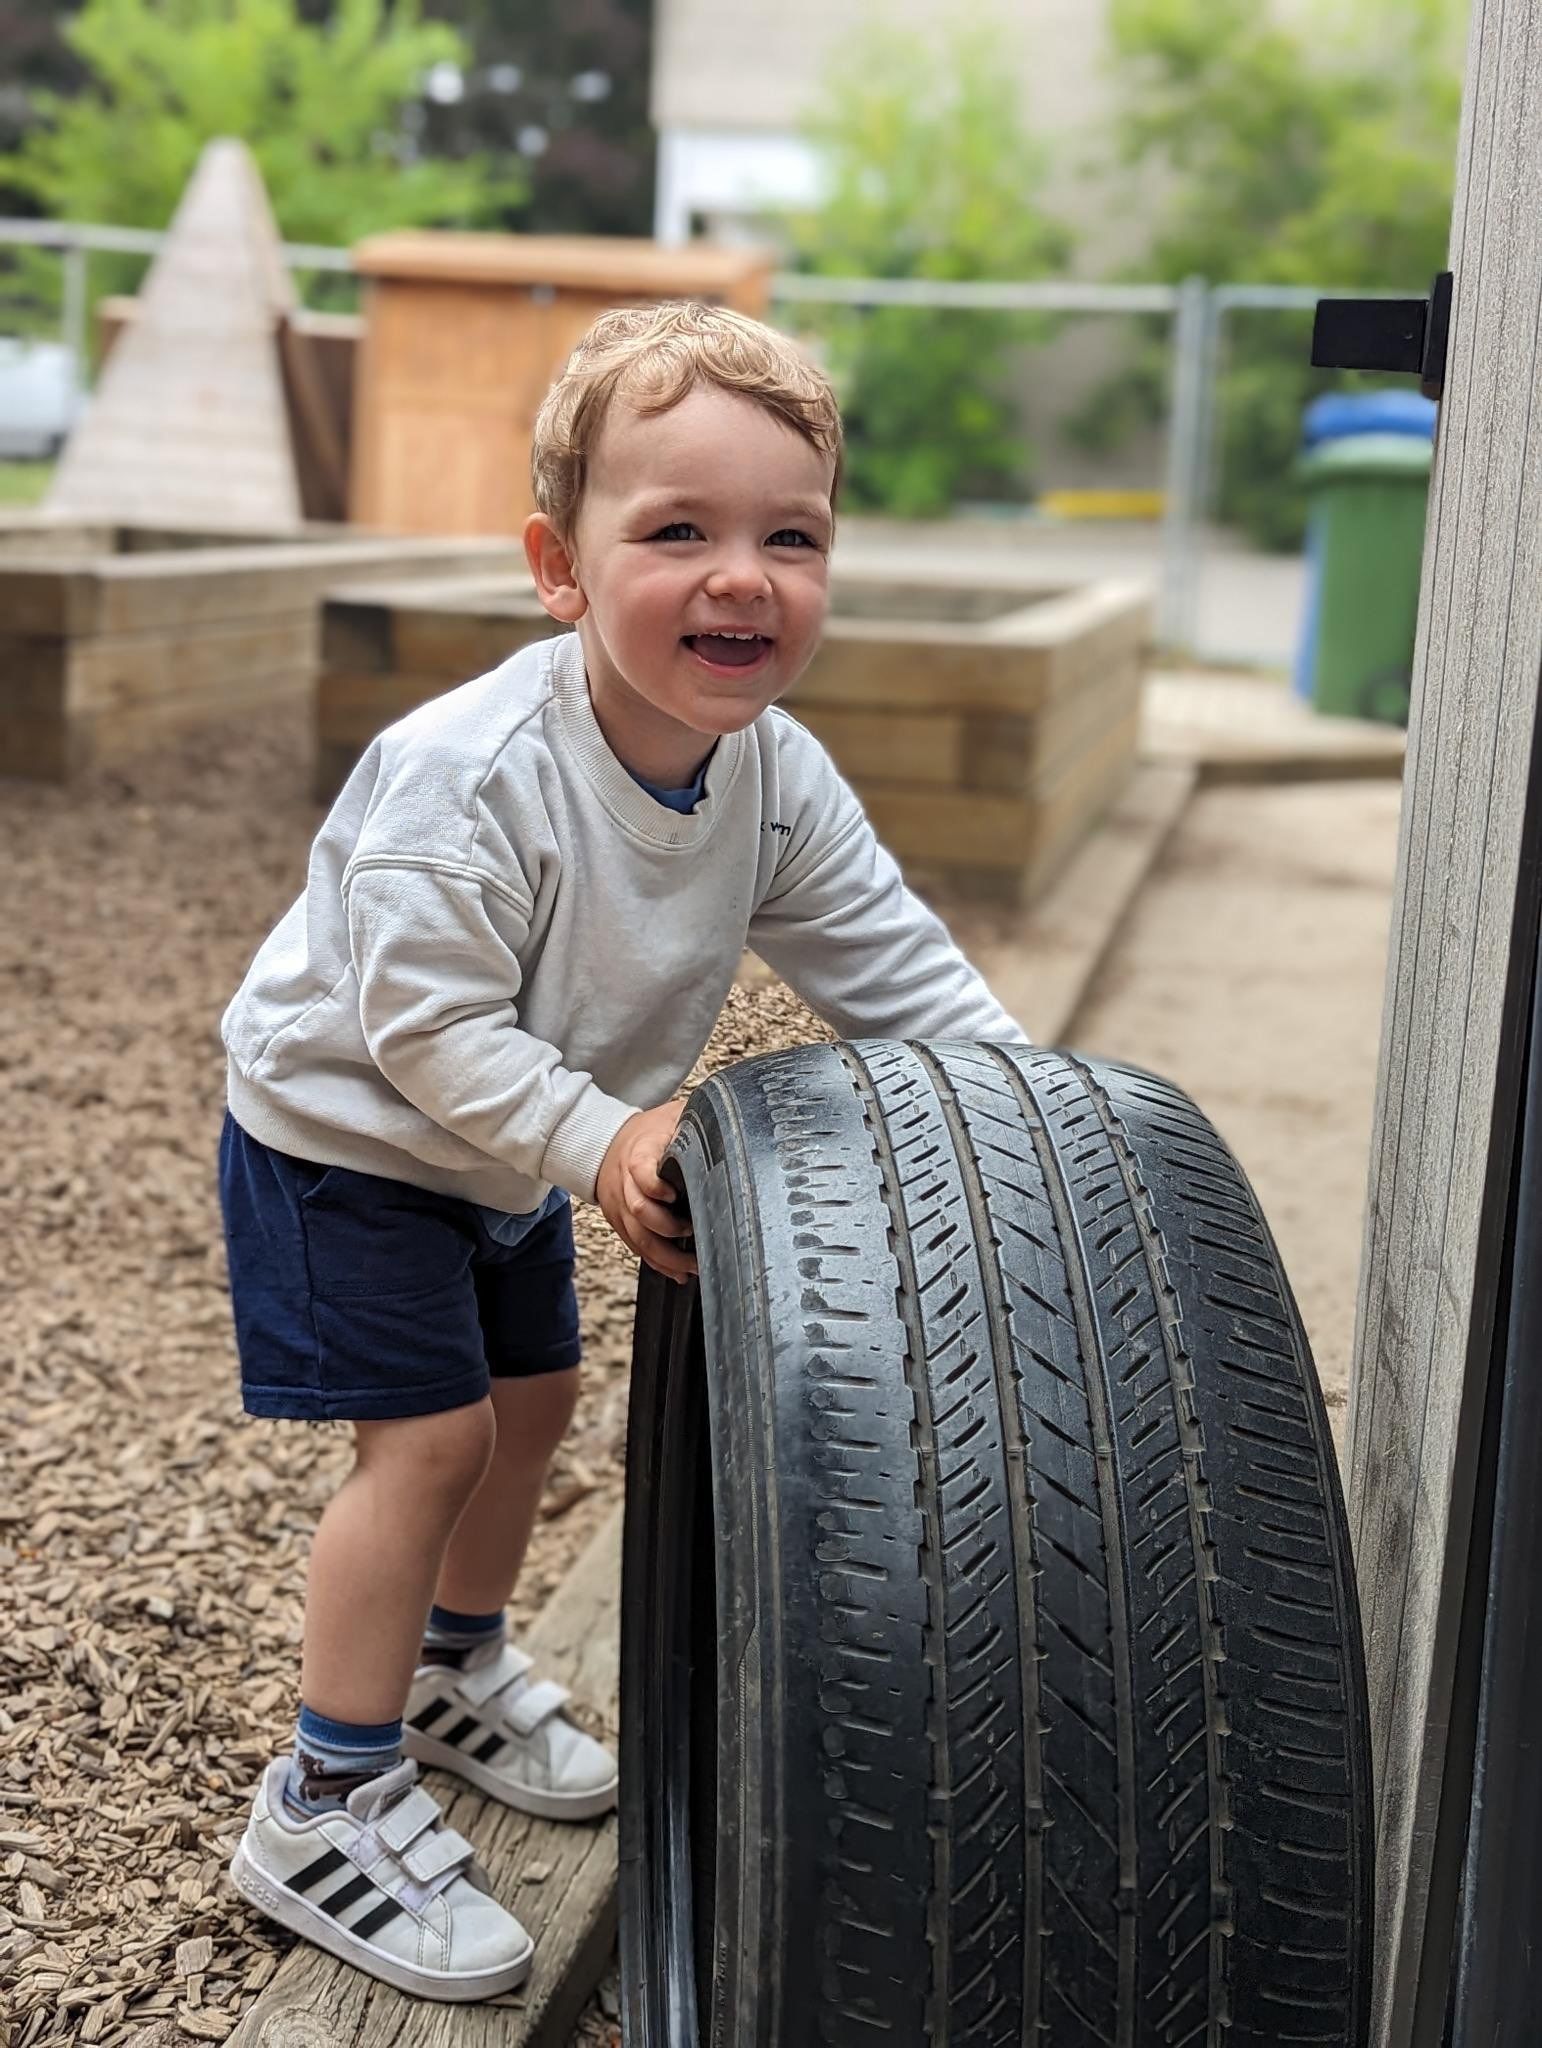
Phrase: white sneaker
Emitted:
{"points": [[384, 1884], [508, 1735]]}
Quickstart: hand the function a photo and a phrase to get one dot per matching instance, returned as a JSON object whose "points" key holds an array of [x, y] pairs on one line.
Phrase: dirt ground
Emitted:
{"points": [[153, 1539], [1251, 974]]}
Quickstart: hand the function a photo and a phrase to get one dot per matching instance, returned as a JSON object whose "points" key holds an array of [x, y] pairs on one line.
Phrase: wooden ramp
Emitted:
{"points": [[188, 424], [559, 1880]]}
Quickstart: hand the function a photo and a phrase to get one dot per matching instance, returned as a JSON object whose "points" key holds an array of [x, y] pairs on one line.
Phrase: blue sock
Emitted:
{"points": [[449, 1636], [332, 1757]]}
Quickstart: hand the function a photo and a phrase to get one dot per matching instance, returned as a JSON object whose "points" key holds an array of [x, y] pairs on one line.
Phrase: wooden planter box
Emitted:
{"points": [[463, 337], [113, 638], [986, 727]]}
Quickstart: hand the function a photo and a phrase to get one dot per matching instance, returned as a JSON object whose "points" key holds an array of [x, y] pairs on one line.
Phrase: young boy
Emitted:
{"points": [[520, 921]]}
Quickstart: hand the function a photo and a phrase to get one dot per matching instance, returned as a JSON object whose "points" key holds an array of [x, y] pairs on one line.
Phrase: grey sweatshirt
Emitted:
{"points": [[506, 946]]}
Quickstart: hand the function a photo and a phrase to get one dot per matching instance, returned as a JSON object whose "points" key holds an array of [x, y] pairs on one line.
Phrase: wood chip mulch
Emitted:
{"points": [[153, 1539]]}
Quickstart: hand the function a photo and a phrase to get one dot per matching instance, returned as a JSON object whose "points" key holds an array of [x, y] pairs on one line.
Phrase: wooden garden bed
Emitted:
{"points": [[986, 726], [114, 638]]}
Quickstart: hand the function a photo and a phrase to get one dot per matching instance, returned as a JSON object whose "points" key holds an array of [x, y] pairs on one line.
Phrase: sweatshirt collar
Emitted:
{"points": [[627, 802]]}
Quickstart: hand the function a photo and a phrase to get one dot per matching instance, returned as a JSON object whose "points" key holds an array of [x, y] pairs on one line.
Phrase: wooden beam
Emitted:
{"points": [[320, 453], [314, 1999], [1463, 931]]}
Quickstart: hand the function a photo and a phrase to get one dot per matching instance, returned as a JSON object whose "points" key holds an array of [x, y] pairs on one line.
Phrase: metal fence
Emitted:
{"points": [[1181, 556]]}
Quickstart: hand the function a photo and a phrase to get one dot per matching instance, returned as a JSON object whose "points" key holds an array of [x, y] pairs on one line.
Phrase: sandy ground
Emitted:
{"points": [[1250, 973]]}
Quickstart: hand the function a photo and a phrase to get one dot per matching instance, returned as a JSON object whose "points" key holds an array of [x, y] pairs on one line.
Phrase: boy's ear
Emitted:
{"points": [[555, 571]]}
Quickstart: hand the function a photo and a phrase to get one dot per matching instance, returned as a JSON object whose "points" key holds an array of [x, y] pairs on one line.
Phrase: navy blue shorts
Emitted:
{"points": [[358, 1298]]}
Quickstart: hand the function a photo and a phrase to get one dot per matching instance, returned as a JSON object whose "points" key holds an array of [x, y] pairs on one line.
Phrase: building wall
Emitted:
{"points": [[733, 78], [730, 83]]}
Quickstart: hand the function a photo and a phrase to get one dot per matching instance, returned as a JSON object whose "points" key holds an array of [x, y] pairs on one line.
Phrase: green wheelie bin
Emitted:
{"points": [[1368, 494]]}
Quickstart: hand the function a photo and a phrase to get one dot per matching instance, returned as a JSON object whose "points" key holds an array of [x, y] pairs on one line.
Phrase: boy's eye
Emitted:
{"points": [[786, 537]]}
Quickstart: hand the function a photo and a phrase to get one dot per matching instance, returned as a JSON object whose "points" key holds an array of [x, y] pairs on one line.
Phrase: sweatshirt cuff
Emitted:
{"points": [[577, 1148]]}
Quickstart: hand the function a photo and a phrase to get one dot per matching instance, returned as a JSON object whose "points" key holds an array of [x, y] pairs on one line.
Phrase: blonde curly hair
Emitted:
{"points": [[651, 357]]}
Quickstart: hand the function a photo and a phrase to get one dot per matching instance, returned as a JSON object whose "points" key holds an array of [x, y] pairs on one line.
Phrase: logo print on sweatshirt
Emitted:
{"points": [[769, 826]]}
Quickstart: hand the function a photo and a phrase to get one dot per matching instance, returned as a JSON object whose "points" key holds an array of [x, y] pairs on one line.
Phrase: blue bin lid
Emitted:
{"points": [[1339, 414]]}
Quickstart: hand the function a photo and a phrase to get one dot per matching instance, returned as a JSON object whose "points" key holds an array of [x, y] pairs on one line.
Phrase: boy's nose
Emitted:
{"points": [[739, 577]]}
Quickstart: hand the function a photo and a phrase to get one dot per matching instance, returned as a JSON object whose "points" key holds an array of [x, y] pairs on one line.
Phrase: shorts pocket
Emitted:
{"points": [[368, 1238]]}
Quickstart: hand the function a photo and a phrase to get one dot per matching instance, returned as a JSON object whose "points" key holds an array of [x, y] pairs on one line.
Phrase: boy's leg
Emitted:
{"points": [[343, 1847], [485, 1552], [477, 1707], [376, 1556]]}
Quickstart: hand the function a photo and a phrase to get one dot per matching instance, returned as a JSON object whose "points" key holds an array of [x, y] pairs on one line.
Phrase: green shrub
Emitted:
{"points": [[319, 106], [929, 173], [1319, 153]]}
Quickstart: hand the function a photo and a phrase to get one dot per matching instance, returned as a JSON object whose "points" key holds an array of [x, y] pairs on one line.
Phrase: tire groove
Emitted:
{"points": [[1206, 1569], [820, 1175], [1090, 1344], [924, 1442], [980, 1807], [1021, 1533]]}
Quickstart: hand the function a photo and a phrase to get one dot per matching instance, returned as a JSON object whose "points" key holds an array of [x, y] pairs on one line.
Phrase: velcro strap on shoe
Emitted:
{"points": [[477, 1687], [407, 1819], [536, 1703], [434, 1854]]}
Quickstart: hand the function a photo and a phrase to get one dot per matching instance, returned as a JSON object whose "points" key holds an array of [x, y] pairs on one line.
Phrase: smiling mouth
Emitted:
{"points": [[728, 651]]}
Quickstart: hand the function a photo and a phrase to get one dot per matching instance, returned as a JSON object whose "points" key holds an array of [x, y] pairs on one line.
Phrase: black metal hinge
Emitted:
{"points": [[1387, 334]]}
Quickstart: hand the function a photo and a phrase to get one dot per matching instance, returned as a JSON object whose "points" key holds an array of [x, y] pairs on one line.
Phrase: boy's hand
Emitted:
{"points": [[637, 1200]]}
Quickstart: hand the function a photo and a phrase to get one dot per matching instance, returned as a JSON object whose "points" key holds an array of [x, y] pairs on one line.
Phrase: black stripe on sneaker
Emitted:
{"points": [[485, 1749], [345, 1895], [430, 1714], [324, 1865], [373, 1922], [468, 1724]]}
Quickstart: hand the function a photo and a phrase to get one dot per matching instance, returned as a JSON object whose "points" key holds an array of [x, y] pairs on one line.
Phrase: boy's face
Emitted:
{"points": [[697, 526]]}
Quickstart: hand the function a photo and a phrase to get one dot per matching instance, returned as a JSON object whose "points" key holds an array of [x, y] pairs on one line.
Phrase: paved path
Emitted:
{"points": [[1251, 974]]}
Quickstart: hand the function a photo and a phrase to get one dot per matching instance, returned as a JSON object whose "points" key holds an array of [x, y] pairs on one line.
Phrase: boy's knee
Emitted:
{"points": [[443, 1454], [557, 1409], [533, 1415]]}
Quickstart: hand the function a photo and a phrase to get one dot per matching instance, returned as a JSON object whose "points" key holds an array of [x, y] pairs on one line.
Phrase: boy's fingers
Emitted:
{"points": [[665, 1257], [663, 1252], [652, 1183], [655, 1216]]}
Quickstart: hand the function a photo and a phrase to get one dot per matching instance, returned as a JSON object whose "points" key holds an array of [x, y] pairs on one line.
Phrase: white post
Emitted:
{"points": [[1185, 468], [671, 202], [74, 313]]}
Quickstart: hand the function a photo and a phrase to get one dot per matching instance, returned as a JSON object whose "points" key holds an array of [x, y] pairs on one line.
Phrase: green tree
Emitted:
{"points": [[1319, 152], [319, 104], [929, 173]]}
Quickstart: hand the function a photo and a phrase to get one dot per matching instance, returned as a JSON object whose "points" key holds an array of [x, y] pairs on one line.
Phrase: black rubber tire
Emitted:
{"points": [[991, 1666]]}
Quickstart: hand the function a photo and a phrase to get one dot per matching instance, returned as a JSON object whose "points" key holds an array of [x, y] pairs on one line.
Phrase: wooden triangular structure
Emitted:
{"points": [[188, 424]]}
